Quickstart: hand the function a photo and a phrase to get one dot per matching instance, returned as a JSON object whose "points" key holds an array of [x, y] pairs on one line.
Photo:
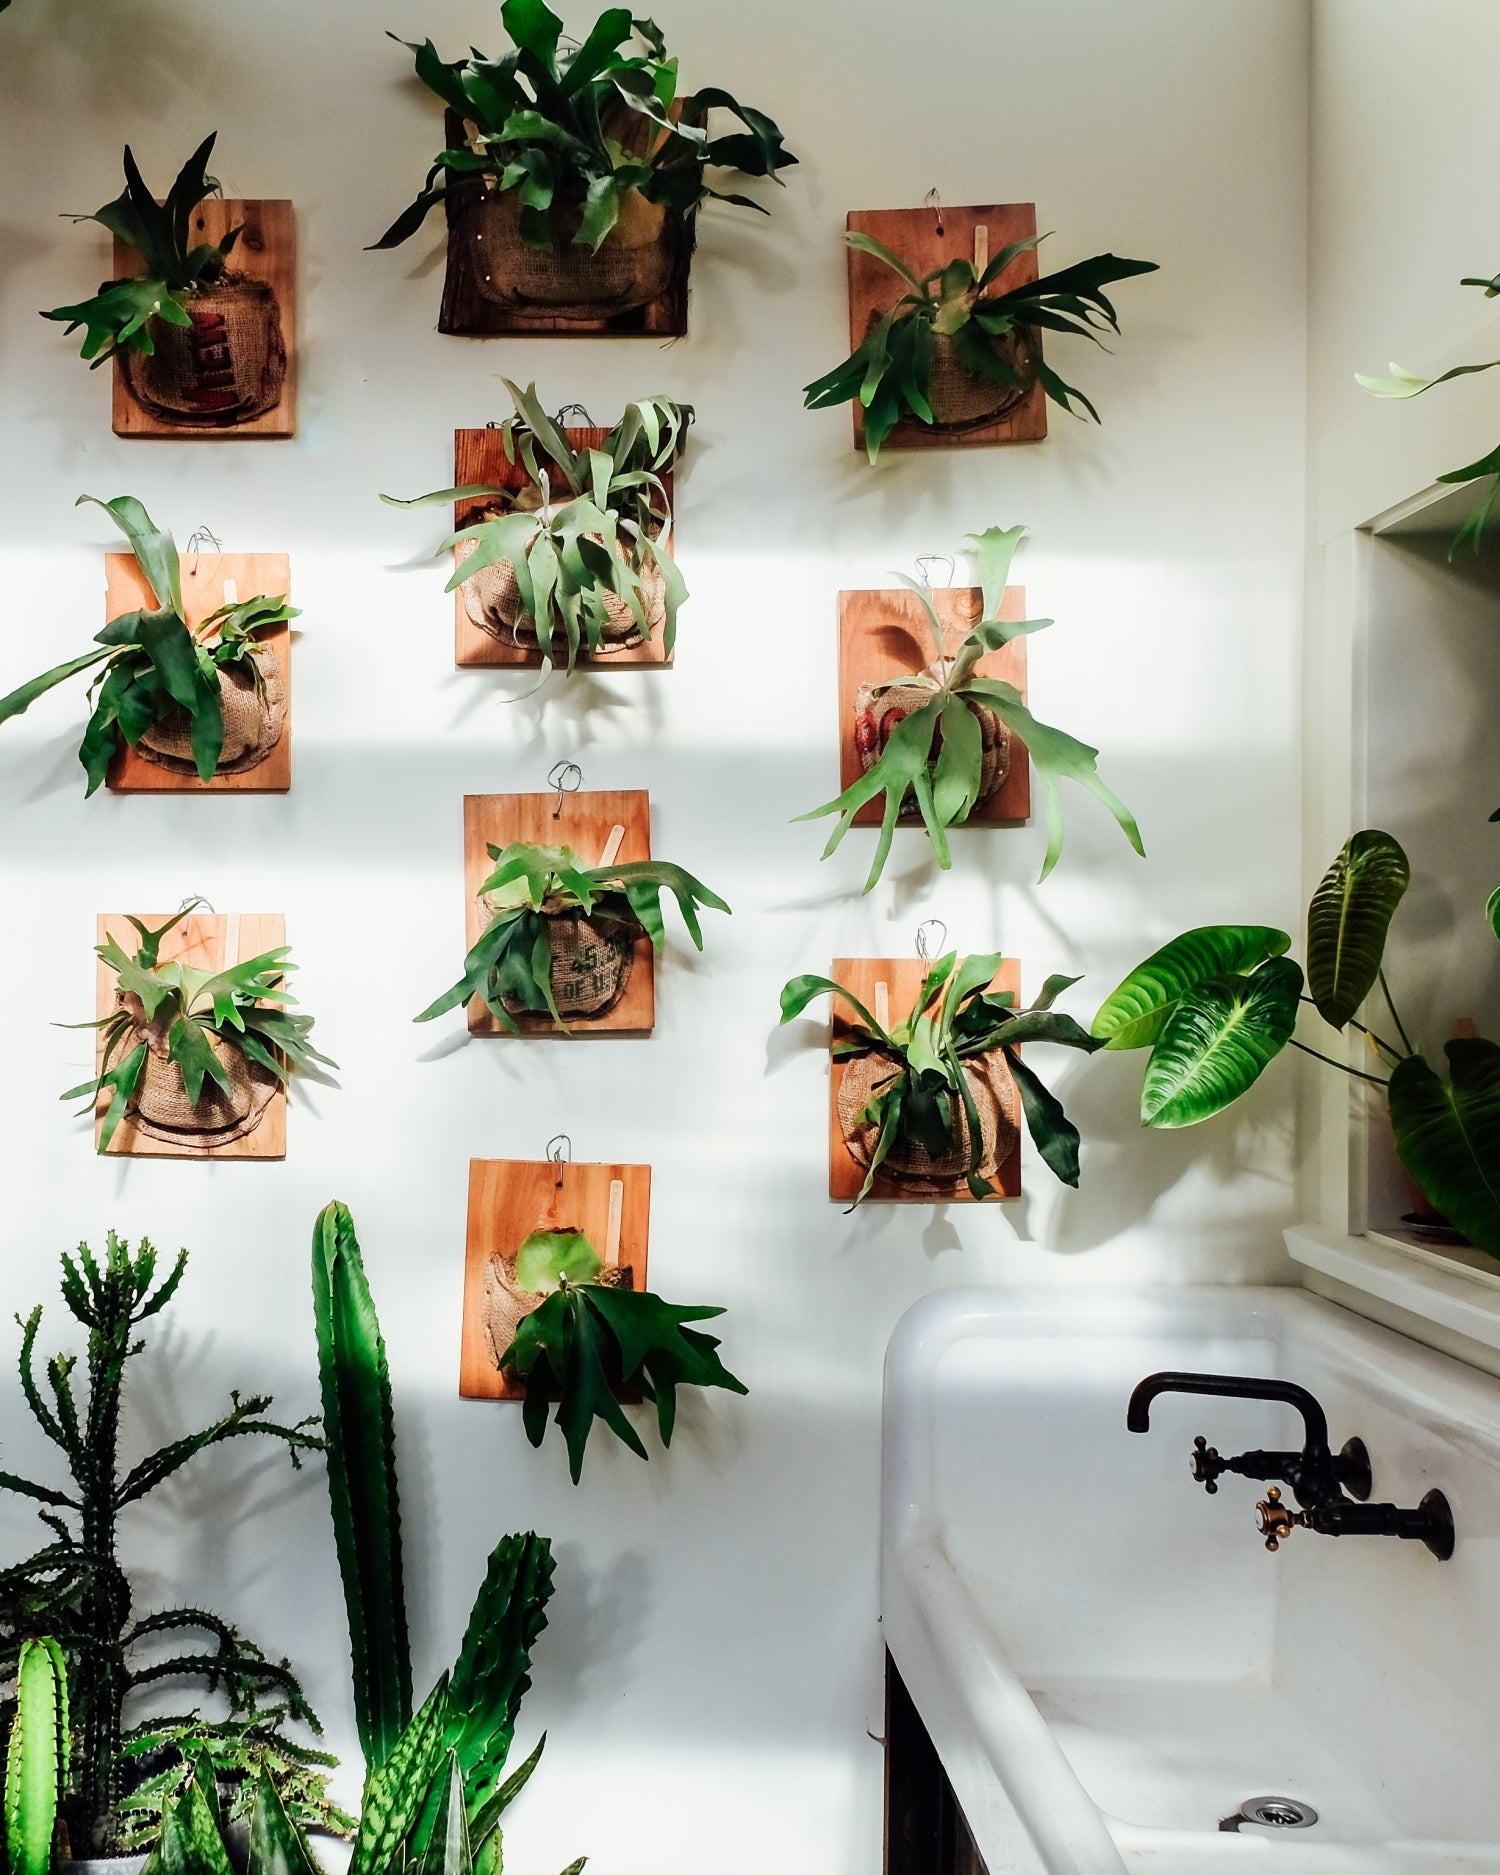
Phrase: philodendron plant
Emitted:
{"points": [[1219, 1003], [590, 1337], [193, 1051], [953, 353], [561, 936], [929, 1101], [940, 739], [204, 700], [574, 561]]}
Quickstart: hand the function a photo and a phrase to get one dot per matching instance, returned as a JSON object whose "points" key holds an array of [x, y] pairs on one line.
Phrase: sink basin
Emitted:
{"points": [[1109, 1661]]}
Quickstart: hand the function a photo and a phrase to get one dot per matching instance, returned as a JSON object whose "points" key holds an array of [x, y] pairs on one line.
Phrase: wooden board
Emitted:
{"points": [[886, 634], [204, 940], [466, 313], [511, 1198], [912, 233], [203, 577], [266, 250], [584, 822], [479, 456], [903, 978]]}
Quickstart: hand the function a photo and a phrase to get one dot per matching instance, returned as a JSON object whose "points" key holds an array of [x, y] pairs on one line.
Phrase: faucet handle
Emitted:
{"points": [[1275, 1522], [1207, 1464]]}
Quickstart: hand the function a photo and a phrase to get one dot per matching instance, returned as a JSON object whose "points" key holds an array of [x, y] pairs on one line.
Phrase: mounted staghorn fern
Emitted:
{"points": [[947, 738], [574, 562], [561, 937], [208, 700]]}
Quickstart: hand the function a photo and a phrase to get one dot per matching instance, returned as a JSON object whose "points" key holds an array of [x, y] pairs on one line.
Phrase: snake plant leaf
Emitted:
{"points": [[447, 1851], [548, 1258], [276, 1844], [1448, 1135], [190, 1841], [396, 1789], [1134, 1014], [1348, 919], [493, 1671], [1219, 1037], [37, 1756], [354, 1376]]}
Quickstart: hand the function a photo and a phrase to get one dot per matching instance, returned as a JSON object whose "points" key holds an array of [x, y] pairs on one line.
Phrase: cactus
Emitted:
{"points": [[36, 1766]]}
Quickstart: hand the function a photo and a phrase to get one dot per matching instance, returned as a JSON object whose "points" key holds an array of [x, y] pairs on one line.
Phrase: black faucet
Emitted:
{"points": [[1330, 1487]]}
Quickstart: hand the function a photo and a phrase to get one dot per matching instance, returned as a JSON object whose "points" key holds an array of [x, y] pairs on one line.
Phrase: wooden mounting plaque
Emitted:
{"points": [[479, 456], [903, 978], [204, 941], [466, 313], [266, 250], [885, 634], [912, 233], [203, 577], [585, 823], [511, 1198]]}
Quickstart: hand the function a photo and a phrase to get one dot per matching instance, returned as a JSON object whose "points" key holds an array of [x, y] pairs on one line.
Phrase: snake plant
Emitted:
{"points": [[590, 1337], [890, 373], [178, 1014], [512, 961], [586, 529], [119, 316], [151, 667], [934, 756], [925, 1099], [37, 1757], [575, 128]]}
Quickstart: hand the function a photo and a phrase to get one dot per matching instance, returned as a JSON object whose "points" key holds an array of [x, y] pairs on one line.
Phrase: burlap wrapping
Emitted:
{"points": [[160, 1108], [227, 366], [591, 963], [908, 1164], [875, 717], [254, 717], [492, 599], [632, 267], [963, 400], [503, 1306]]}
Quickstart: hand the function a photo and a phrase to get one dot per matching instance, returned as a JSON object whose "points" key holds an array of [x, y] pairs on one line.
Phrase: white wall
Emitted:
{"points": [[713, 1662]]}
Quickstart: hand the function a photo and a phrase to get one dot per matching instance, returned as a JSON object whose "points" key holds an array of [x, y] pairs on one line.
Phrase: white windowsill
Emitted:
{"points": [[1440, 1286]]}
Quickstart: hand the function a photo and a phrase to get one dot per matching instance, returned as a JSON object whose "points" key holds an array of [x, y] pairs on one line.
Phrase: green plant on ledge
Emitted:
{"points": [[561, 937], [574, 561], [945, 746], [1219, 1003], [162, 688], [928, 1102], [590, 1337], [76, 1587], [954, 353]]}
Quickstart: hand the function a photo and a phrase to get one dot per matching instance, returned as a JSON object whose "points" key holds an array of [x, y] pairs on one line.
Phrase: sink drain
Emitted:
{"points": [[1272, 1813]]}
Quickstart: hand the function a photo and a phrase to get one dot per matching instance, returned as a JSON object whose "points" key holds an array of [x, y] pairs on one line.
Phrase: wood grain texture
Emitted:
{"points": [[903, 978], [466, 313], [203, 940], [912, 233], [266, 250], [203, 577], [584, 823], [511, 1198], [885, 634], [479, 456]]}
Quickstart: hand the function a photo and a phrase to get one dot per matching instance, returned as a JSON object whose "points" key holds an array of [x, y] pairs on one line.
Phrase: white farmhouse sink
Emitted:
{"points": [[1109, 1661]]}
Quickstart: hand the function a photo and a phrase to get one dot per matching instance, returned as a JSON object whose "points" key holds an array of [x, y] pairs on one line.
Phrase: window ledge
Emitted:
{"points": [[1441, 1286]]}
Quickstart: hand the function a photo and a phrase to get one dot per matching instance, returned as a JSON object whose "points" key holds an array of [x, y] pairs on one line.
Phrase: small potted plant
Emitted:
{"points": [[581, 167], [954, 354], [933, 1103], [942, 740], [194, 1054], [208, 701], [198, 342], [573, 562], [561, 937]]}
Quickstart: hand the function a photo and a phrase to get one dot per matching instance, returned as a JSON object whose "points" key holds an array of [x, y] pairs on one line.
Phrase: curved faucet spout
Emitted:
{"points": [[1235, 1387]]}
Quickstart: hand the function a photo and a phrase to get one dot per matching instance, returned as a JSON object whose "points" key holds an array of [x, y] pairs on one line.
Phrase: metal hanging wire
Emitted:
{"points": [[566, 778], [925, 944], [934, 201], [581, 412], [925, 561], [196, 541], [560, 1152]]}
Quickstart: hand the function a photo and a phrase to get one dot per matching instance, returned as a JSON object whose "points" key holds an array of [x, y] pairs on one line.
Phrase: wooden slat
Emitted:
{"points": [[479, 456], [584, 823], [511, 1198], [266, 250], [886, 634], [200, 942], [903, 978], [912, 233], [203, 577]]}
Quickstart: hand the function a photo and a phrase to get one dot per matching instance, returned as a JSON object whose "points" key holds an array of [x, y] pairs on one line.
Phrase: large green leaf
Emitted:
{"points": [[36, 1767], [1136, 1011], [1448, 1135], [22, 698], [1218, 1039], [1347, 922]]}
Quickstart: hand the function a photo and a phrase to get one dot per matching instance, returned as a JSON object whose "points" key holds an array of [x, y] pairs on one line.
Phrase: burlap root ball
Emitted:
{"points": [[227, 366], [876, 716], [566, 281], [591, 963], [254, 718], [160, 1106], [909, 1165]]}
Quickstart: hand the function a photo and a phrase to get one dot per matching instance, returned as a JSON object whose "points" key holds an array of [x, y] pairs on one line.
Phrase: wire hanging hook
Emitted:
{"points": [[560, 1152], [195, 543], [924, 943], [934, 201], [193, 902], [561, 418], [566, 778], [926, 560]]}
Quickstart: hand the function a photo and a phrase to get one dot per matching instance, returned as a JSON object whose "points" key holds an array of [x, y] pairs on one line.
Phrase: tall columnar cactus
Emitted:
{"points": [[362, 1490], [36, 1767]]}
